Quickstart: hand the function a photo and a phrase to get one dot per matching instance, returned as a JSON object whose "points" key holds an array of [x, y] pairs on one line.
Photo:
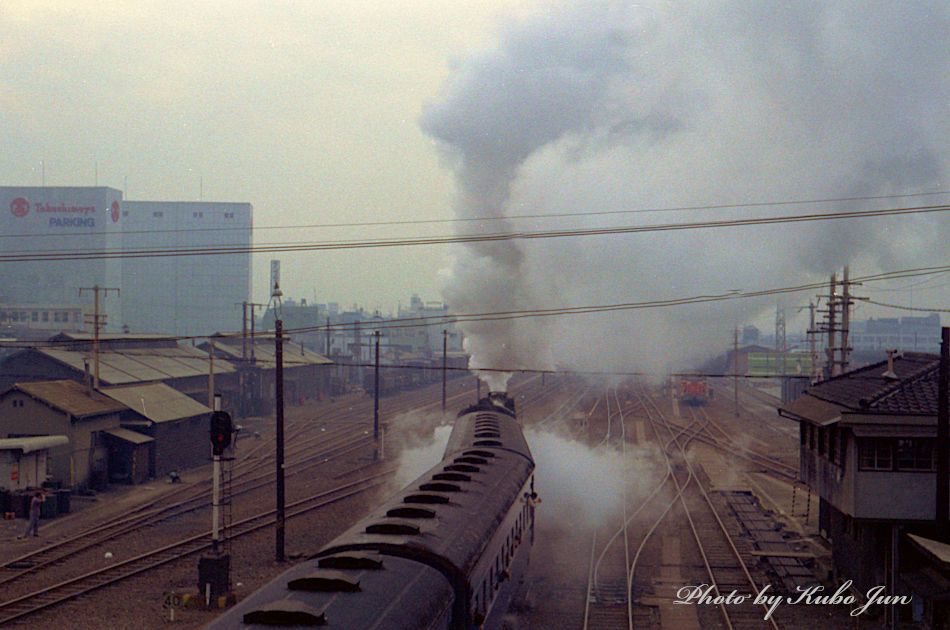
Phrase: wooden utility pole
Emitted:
{"points": [[328, 338], [735, 370], [942, 504], [211, 402], [845, 321], [832, 306], [445, 347], [96, 326], [376, 400]]}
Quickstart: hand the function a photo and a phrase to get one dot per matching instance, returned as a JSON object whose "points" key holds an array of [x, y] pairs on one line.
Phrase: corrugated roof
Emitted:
{"points": [[137, 365], [265, 354], [157, 402], [30, 444], [71, 397], [126, 435]]}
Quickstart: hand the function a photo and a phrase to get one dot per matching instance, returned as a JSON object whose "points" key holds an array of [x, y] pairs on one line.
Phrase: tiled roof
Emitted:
{"points": [[867, 391], [859, 389], [71, 397]]}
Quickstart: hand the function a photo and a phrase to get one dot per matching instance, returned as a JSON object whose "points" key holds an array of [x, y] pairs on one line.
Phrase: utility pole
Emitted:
{"points": [[735, 370], [328, 338], [845, 321], [278, 416], [211, 397], [812, 348], [445, 347], [832, 306], [253, 333], [96, 326], [942, 504], [376, 393]]}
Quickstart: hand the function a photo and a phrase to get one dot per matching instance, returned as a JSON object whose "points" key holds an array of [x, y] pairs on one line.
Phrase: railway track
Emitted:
{"points": [[336, 442], [251, 472], [721, 557], [21, 607]]}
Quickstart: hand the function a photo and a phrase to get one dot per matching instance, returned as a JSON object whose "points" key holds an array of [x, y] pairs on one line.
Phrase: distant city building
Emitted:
{"points": [[905, 333], [42, 221], [181, 295], [185, 295], [750, 335]]}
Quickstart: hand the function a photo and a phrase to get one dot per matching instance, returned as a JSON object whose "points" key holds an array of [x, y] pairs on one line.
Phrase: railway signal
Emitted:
{"points": [[221, 430]]}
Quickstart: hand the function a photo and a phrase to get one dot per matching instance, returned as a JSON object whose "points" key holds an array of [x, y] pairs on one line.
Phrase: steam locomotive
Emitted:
{"points": [[447, 551]]}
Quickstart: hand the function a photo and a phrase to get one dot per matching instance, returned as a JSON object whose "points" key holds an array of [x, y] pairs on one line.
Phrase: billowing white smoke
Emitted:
{"points": [[589, 107], [584, 486], [422, 455]]}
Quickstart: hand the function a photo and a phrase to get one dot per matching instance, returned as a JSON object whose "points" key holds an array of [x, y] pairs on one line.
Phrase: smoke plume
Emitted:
{"points": [[592, 107]]}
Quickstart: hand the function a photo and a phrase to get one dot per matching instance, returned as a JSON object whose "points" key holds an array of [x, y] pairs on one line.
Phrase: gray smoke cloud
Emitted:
{"points": [[613, 106]]}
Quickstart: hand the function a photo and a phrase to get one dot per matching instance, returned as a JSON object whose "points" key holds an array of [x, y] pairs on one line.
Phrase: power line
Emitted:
{"points": [[908, 308], [440, 320], [514, 217], [459, 238]]}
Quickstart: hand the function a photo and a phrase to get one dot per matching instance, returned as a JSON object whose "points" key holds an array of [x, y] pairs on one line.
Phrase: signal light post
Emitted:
{"points": [[220, 440], [279, 413]]}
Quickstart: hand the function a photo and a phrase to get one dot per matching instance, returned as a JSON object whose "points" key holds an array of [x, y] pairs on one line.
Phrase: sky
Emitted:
{"points": [[324, 112]]}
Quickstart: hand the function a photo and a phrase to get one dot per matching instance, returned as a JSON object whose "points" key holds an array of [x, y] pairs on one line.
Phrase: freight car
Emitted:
{"points": [[447, 551]]}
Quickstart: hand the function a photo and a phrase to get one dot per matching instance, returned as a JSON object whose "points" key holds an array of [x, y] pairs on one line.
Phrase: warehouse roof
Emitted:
{"points": [[30, 444], [131, 437], [70, 397], [265, 353], [157, 402], [137, 365]]}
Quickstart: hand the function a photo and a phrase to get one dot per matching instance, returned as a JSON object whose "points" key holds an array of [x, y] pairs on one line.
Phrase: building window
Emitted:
{"points": [[197, 215], [158, 215], [915, 454], [228, 215], [35, 316], [45, 316], [875, 454], [125, 213]]}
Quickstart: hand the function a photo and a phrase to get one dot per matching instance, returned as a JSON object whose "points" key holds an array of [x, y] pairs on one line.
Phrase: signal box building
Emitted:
{"points": [[867, 448]]}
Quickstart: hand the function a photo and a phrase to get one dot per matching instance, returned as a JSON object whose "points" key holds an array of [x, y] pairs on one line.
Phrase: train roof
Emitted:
{"points": [[388, 594], [437, 518]]}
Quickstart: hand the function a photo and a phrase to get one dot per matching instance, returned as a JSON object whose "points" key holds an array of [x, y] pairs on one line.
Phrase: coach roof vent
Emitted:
{"points": [[393, 528], [286, 612], [325, 581], [410, 512], [440, 486], [465, 468], [488, 454], [487, 443], [428, 499], [469, 459], [353, 560], [451, 476]]}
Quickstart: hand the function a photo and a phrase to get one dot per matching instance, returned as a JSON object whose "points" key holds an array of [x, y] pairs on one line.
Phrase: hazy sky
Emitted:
{"points": [[308, 110], [321, 112]]}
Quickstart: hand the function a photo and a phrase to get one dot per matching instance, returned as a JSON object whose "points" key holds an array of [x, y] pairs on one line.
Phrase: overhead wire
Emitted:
{"points": [[44, 255], [504, 217]]}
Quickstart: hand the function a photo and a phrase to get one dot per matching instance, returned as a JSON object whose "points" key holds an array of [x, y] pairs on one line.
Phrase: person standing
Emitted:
{"points": [[36, 505]]}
